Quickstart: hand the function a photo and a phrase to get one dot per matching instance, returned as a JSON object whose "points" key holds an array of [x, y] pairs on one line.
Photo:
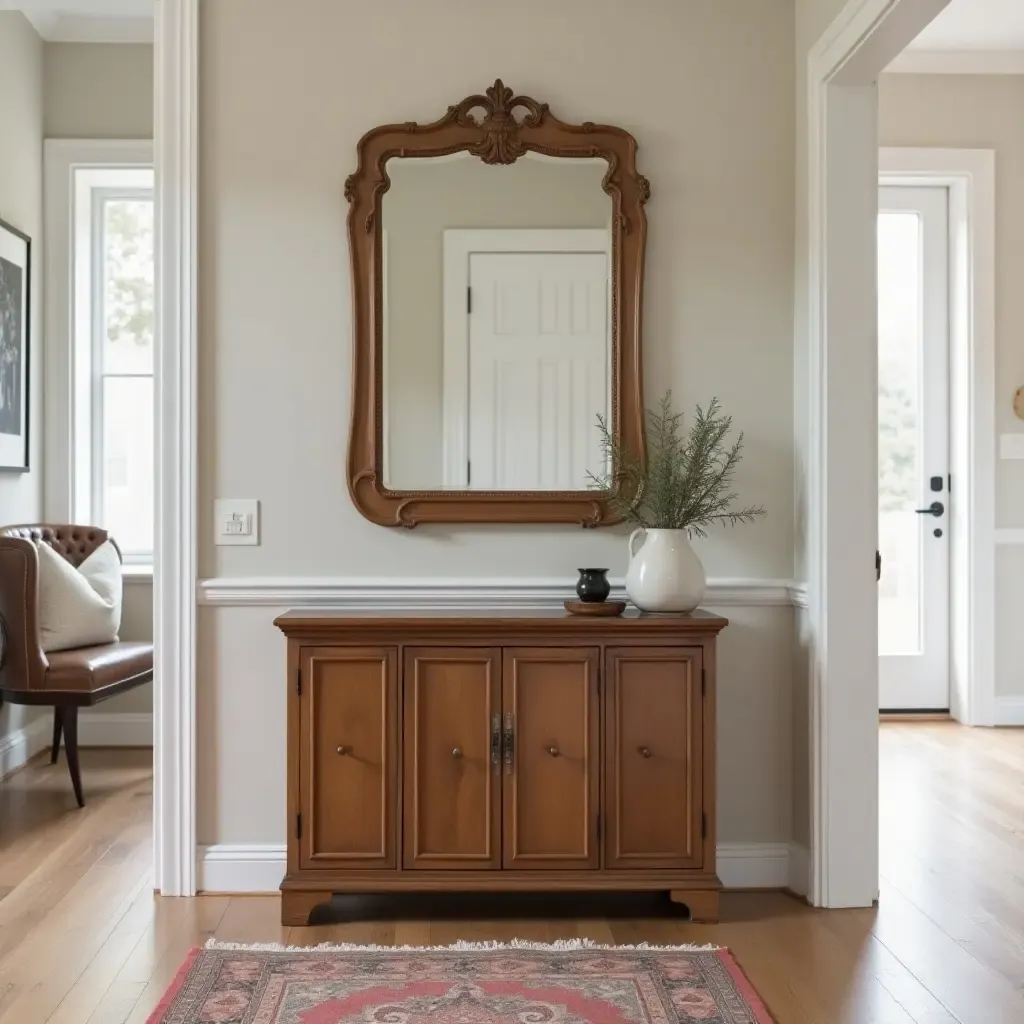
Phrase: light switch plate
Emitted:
{"points": [[1011, 446], [236, 521]]}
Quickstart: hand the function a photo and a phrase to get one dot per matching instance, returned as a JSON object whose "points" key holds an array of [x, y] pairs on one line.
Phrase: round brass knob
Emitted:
{"points": [[457, 753], [644, 751], [553, 751], [343, 750]]}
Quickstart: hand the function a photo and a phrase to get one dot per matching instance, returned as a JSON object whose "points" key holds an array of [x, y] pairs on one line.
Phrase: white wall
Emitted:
{"points": [[984, 112], [21, 204], [286, 92], [426, 198], [105, 91]]}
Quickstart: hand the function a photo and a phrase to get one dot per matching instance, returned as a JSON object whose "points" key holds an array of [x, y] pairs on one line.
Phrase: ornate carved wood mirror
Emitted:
{"points": [[497, 286]]}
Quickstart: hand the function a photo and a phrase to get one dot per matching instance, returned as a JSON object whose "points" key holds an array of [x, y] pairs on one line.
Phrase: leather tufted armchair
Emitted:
{"points": [[65, 680]]}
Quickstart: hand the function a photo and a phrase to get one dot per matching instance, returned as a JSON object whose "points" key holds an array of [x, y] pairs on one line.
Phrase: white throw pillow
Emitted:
{"points": [[79, 607]]}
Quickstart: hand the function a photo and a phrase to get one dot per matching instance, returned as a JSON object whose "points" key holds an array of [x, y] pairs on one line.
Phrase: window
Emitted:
{"points": [[112, 323]]}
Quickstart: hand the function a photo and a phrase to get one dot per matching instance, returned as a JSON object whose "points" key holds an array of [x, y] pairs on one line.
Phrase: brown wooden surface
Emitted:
{"points": [[84, 941], [349, 751], [653, 762], [551, 795], [503, 128], [452, 798]]}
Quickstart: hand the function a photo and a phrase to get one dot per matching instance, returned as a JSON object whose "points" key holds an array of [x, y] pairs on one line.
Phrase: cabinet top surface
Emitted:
{"points": [[325, 619]]}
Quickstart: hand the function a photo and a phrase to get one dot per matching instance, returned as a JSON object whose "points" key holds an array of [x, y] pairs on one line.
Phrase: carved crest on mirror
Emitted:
{"points": [[443, 478]]}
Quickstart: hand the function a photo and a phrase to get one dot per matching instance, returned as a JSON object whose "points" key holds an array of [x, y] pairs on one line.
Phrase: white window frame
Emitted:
{"points": [[73, 419]]}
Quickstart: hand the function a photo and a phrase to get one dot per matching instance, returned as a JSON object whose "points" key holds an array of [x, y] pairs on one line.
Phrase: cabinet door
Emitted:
{"points": [[349, 757], [550, 796], [654, 758], [452, 797]]}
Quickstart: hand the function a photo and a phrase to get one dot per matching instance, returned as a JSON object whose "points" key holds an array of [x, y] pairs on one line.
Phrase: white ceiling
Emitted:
{"points": [[976, 25], [88, 21]]}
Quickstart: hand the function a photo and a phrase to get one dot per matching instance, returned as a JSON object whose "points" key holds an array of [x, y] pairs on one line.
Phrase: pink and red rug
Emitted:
{"points": [[569, 983]]}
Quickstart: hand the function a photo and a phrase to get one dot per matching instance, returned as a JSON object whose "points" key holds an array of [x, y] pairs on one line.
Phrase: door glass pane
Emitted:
{"points": [[899, 432], [128, 286], [128, 462]]}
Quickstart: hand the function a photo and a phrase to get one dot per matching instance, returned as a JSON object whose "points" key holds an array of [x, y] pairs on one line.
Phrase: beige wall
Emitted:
{"points": [[21, 204], [99, 91], [984, 112], [426, 198], [707, 89]]}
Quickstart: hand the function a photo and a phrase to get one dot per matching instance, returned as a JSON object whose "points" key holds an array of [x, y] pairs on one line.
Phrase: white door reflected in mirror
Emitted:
{"points": [[496, 333]]}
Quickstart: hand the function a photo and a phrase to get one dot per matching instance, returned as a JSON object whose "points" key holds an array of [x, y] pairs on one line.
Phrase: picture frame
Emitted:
{"points": [[15, 345]]}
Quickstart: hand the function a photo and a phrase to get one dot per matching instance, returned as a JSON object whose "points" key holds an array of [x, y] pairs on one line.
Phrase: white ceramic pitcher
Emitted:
{"points": [[665, 575]]}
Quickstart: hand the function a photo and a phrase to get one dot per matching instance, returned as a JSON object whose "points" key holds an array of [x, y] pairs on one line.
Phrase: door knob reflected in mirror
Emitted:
{"points": [[936, 508]]}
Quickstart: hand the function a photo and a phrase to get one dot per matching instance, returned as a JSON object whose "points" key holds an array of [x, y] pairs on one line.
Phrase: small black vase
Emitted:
{"points": [[593, 585]]}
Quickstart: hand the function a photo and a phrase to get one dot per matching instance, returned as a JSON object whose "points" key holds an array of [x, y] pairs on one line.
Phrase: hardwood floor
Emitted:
{"points": [[84, 941]]}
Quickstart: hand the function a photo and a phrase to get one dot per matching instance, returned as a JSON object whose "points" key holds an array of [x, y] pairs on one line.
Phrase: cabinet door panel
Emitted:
{"points": [[653, 743], [452, 795], [551, 782], [349, 767]]}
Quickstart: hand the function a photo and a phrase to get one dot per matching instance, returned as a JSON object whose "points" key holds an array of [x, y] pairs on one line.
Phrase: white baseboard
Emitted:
{"points": [[104, 729], [1009, 711], [21, 745], [753, 865], [500, 594], [799, 869], [255, 868], [240, 868]]}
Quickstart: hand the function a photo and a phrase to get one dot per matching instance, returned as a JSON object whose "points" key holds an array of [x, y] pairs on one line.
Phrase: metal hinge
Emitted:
{"points": [[298, 826], [704, 826], [298, 681], [469, 299]]}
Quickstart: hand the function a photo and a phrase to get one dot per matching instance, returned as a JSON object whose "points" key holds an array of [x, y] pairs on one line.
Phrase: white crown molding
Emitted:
{"points": [[258, 868], [1009, 535], [88, 21], [450, 593], [958, 62]]}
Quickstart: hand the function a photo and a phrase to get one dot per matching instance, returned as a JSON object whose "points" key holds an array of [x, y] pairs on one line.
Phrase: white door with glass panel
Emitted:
{"points": [[913, 448], [538, 369]]}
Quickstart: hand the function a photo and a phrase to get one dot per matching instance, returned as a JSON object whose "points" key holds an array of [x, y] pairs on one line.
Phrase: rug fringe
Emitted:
{"points": [[559, 946]]}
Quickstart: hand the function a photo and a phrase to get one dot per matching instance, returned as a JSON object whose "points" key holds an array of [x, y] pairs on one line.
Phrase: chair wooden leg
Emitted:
{"points": [[69, 716], [57, 725]]}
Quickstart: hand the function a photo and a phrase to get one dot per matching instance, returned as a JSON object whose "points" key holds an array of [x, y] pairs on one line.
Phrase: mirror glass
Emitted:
{"points": [[496, 325]]}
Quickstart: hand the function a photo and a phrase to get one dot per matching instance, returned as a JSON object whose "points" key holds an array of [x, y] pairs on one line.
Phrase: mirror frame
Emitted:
{"points": [[500, 137]]}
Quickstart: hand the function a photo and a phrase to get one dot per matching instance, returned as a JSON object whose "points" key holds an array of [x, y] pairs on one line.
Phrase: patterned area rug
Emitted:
{"points": [[567, 983]]}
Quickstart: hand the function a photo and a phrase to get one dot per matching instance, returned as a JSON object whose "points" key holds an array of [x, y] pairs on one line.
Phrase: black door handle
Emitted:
{"points": [[936, 508]]}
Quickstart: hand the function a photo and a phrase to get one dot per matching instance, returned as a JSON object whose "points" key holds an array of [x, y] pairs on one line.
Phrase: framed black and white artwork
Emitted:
{"points": [[15, 303]]}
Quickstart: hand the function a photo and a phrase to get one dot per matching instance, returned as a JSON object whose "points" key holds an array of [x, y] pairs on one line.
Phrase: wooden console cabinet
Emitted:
{"points": [[533, 751]]}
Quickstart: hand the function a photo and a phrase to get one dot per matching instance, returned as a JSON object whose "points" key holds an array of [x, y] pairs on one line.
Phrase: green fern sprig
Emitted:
{"points": [[686, 483]]}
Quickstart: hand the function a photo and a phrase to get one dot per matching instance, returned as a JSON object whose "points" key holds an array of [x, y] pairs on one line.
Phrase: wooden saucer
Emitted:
{"points": [[606, 608]]}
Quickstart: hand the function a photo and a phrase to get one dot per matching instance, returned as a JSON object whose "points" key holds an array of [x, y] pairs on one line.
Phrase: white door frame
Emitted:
{"points": [[176, 391], [838, 501], [969, 174], [458, 245]]}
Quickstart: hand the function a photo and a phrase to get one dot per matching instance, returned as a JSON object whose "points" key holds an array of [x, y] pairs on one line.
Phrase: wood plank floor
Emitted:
{"points": [[84, 941]]}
